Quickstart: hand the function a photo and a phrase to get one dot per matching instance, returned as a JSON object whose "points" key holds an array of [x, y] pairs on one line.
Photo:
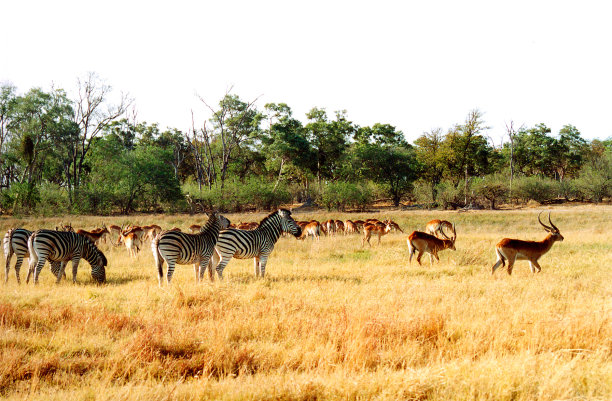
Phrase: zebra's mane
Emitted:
{"points": [[273, 214]]}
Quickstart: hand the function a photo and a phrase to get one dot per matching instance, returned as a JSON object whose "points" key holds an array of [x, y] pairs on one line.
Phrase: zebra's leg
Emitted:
{"points": [[38, 268], [223, 261], [171, 264], [8, 267], [257, 266], [159, 263], [196, 270], [17, 268], [262, 265], [59, 269], [75, 267]]}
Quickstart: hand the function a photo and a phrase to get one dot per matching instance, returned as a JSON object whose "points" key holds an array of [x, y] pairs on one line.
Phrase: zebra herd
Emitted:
{"points": [[216, 243]]}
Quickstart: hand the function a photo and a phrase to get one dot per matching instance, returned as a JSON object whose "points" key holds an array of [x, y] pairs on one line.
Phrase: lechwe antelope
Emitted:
{"points": [[132, 238], [513, 249], [436, 227], [423, 242], [379, 229], [95, 235], [312, 228]]}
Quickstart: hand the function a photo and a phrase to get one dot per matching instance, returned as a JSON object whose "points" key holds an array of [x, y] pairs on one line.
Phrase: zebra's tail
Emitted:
{"points": [[159, 261], [6, 244], [33, 256]]}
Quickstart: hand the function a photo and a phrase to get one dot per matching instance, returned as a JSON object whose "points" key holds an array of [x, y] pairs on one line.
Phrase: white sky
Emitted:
{"points": [[416, 65]]}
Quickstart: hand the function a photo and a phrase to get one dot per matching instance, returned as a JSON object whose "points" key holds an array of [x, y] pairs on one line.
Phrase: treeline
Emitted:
{"points": [[86, 155]]}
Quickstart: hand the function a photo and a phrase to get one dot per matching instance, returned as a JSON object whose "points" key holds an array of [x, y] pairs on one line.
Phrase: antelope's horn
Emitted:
{"points": [[551, 223], [544, 225]]}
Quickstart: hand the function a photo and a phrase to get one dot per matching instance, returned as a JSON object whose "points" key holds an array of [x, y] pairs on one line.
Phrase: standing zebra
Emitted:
{"points": [[63, 246], [176, 247], [15, 242], [257, 243]]}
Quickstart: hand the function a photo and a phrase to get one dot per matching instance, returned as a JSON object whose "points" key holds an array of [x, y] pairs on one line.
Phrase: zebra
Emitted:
{"points": [[257, 243], [176, 247], [15, 242], [61, 247]]}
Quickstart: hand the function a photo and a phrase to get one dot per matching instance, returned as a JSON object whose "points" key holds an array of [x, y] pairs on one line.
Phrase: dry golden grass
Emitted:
{"points": [[331, 320]]}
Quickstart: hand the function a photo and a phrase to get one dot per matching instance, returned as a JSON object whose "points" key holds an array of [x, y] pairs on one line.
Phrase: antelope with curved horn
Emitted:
{"points": [[436, 227], [513, 249], [423, 242]]}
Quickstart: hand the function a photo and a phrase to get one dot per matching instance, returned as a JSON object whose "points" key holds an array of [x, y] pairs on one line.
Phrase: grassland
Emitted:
{"points": [[331, 320]]}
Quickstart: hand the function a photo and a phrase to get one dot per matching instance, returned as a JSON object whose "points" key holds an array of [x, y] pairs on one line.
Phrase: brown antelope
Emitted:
{"points": [[436, 228], [151, 231], [359, 223], [423, 242], [394, 225], [114, 229], [195, 228], [513, 249], [379, 229], [95, 235], [339, 225], [132, 238], [350, 227], [330, 227], [312, 228]]}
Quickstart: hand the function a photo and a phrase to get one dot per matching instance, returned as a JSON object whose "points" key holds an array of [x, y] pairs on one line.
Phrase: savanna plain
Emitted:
{"points": [[331, 319]]}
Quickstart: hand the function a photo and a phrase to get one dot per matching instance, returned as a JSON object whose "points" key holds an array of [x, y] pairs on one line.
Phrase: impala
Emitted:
{"points": [[350, 227], [151, 231], [311, 228], [394, 225], [436, 227], [379, 229], [95, 235], [513, 249], [423, 242]]}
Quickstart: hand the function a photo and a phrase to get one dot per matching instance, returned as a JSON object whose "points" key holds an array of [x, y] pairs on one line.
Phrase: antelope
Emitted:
{"points": [[423, 242], [339, 225], [132, 238], [312, 228], [330, 227], [436, 228], [151, 231], [359, 223], [394, 225], [95, 235], [104, 231], [513, 249], [195, 228], [114, 229], [350, 227], [378, 229]]}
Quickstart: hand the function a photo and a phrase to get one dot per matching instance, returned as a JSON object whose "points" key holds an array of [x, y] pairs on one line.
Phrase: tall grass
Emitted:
{"points": [[332, 319]]}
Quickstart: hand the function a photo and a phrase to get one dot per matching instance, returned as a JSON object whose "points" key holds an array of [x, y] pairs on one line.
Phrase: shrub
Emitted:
{"points": [[340, 195], [449, 196], [491, 188], [534, 188], [595, 179]]}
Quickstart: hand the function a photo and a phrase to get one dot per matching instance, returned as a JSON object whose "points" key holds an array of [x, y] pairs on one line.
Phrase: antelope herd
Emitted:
{"points": [[438, 236]]}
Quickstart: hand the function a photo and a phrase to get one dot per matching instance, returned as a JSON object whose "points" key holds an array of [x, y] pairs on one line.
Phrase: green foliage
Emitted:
{"points": [[534, 188], [450, 196], [595, 179], [343, 195], [491, 188]]}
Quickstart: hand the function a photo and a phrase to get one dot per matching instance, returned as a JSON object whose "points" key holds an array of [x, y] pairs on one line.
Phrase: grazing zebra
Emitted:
{"points": [[176, 247], [61, 247], [257, 243]]}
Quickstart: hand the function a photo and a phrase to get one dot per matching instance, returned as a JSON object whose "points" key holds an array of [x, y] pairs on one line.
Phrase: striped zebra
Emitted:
{"points": [[176, 247], [61, 247], [15, 242], [257, 243]]}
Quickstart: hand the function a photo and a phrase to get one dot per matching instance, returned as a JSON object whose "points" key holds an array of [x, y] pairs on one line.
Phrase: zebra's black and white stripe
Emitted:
{"points": [[176, 247], [257, 243], [61, 247], [15, 242]]}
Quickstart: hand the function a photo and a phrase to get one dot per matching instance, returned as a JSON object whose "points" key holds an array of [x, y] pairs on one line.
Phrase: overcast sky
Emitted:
{"points": [[417, 65]]}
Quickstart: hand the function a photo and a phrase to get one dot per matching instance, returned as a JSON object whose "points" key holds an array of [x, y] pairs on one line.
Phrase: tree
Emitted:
{"points": [[429, 154], [570, 150], [92, 115], [233, 125], [285, 140], [386, 158]]}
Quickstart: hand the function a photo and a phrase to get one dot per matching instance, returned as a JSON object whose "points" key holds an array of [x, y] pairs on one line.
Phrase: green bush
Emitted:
{"points": [[535, 188], [492, 188], [340, 195], [595, 179], [449, 196], [53, 201]]}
